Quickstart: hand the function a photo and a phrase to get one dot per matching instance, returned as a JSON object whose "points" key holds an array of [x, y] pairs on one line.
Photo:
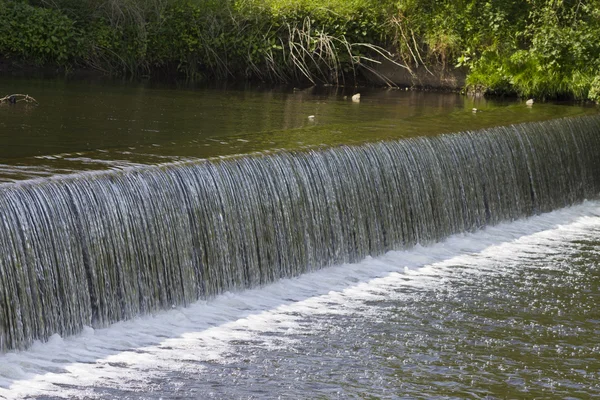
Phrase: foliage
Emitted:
{"points": [[555, 54], [38, 35], [274, 40], [541, 48], [594, 93]]}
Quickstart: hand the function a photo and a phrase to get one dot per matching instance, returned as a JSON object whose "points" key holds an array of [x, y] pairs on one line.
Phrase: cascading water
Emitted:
{"points": [[95, 248]]}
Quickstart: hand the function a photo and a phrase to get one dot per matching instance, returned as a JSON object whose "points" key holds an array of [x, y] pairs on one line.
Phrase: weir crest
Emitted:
{"points": [[92, 249]]}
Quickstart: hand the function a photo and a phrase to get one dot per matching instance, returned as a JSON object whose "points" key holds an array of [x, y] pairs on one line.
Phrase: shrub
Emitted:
{"points": [[38, 35]]}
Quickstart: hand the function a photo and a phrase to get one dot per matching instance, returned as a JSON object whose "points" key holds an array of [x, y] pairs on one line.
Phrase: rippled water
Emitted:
{"points": [[507, 312]]}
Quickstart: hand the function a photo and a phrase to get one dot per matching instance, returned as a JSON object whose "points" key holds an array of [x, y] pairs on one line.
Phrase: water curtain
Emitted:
{"points": [[94, 248]]}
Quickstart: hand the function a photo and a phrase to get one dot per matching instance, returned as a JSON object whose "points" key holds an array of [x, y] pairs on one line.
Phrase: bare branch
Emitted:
{"points": [[15, 98]]}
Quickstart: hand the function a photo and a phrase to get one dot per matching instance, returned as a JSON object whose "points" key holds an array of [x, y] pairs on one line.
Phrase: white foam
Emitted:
{"points": [[127, 353]]}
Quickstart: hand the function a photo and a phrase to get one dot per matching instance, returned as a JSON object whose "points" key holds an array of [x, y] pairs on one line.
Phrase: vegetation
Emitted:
{"points": [[541, 48]]}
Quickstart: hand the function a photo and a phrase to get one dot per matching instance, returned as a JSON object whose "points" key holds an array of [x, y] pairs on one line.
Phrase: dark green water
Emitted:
{"points": [[84, 125]]}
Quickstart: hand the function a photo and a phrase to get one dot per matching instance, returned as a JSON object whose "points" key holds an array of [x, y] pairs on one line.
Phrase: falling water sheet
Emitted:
{"points": [[186, 351]]}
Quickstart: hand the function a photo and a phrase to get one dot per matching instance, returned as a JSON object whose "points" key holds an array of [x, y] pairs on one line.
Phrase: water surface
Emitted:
{"points": [[88, 125]]}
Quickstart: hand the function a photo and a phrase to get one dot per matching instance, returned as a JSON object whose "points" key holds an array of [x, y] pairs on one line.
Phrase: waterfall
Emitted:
{"points": [[95, 248]]}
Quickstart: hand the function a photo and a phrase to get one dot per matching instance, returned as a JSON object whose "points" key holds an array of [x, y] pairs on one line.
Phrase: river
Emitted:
{"points": [[366, 290]]}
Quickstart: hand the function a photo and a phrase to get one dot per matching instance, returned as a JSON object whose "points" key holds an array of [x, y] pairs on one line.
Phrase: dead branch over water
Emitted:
{"points": [[15, 98]]}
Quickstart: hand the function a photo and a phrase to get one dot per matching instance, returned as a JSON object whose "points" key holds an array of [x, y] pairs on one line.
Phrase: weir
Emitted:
{"points": [[95, 248]]}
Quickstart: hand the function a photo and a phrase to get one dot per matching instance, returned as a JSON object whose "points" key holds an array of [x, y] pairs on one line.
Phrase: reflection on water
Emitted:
{"points": [[83, 125]]}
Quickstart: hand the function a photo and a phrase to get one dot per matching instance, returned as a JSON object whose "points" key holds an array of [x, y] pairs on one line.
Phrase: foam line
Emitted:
{"points": [[125, 354]]}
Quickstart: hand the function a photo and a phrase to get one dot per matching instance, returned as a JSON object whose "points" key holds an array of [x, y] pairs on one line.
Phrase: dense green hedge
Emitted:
{"points": [[543, 48]]}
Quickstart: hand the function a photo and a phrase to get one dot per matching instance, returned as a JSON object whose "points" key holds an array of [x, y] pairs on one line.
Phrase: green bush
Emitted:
{"points": [[38, 35], [555, 54]]}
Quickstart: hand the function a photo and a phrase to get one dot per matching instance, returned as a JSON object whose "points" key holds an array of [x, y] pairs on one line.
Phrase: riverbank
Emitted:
{"points": [[543, 49]]}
